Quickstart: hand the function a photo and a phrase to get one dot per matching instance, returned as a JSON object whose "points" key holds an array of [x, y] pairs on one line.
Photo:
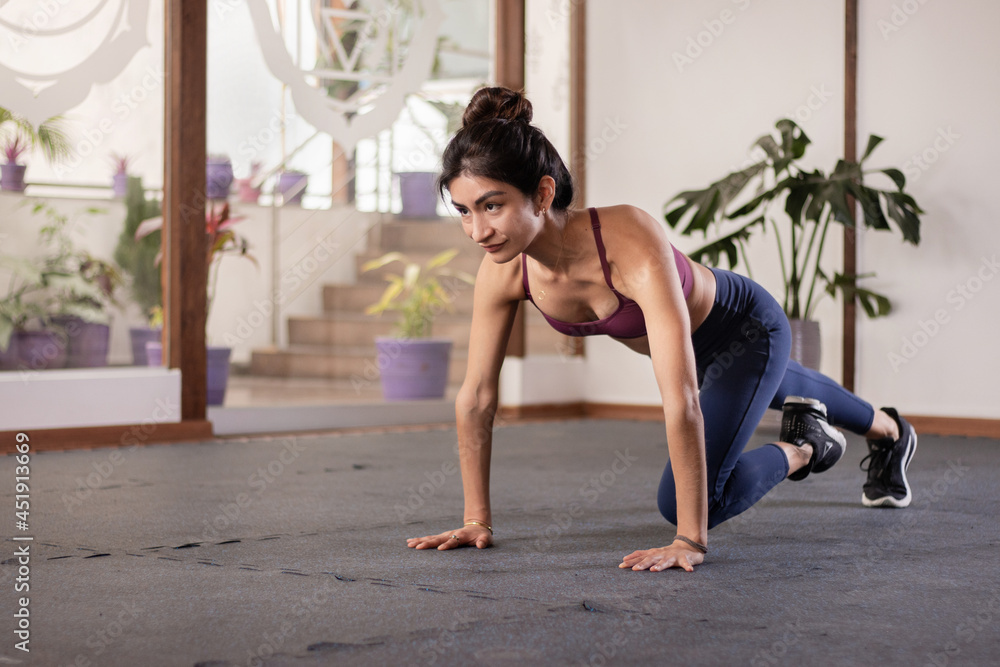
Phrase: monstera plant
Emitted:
{"points": [[798, 207]]}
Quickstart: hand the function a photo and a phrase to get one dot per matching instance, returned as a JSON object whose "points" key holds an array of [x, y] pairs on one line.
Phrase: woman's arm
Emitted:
{"points": [[495, 304], [649, 276]]}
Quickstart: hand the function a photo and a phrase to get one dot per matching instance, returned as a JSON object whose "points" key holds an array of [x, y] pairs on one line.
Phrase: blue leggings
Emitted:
{"points": [[743, 368]]}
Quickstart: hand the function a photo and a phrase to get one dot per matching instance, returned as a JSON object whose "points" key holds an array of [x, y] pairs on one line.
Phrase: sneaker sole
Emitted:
{"points": [[890, 501]]}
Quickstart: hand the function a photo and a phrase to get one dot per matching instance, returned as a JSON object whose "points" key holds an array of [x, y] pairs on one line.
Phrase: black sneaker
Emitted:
{"points": [[803, 421], [887, 463]]}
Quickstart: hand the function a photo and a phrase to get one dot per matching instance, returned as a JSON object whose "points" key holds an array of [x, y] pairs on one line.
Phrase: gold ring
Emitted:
{"points": [[454, 537]]}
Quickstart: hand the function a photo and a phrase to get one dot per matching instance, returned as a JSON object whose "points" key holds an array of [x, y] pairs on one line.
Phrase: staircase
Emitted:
{"points": [[339, 343]]}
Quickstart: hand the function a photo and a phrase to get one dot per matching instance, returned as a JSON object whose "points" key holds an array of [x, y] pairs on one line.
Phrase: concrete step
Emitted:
{"points": [[352, 328], [358, 364], [355, 298], [420, 234], [469, 258]]}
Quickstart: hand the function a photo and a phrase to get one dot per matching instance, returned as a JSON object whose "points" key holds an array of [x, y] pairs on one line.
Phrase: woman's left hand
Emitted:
{"points": [[677, 554]]}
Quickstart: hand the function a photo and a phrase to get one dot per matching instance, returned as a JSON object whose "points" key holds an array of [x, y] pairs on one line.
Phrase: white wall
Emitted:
{"points": [[928, 83], [667, 113]]}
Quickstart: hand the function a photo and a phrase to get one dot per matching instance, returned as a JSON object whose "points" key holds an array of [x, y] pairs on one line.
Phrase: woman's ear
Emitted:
{"points": [[545, 193]]}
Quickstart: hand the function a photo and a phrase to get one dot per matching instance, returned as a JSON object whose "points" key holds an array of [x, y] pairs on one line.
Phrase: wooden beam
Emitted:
{"points": [[185, 271], [578, 100], [510, 44], [850, 154], [121, 435], [509, 65]]}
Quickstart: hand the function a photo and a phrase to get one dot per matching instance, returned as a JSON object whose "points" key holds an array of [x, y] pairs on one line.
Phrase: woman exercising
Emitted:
{"points": [[718, 342]]}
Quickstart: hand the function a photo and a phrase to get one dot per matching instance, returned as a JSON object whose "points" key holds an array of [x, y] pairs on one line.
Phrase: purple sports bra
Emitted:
{"points": [[627, 321]]}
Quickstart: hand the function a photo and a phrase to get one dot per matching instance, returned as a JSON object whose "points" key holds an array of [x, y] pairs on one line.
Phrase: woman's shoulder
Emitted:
{"points": [[626, 223], [500, 283]]}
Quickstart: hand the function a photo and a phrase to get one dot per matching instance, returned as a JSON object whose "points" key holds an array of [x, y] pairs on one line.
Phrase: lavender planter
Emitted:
{"points": [[12, 177], [218, 178], [292, 185], [35, 351], [416, 190], [86, 342], [217, 369], [119, 185], [139, 336], [413, 369]]}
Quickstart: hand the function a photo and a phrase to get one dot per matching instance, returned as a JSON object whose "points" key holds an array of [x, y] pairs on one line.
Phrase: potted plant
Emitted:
{"points": [[222, 240], [812, 202], [137, 260], [218, 176], [19, 137], [56, 311], [119, 180], [417, 192], [413, 364]]}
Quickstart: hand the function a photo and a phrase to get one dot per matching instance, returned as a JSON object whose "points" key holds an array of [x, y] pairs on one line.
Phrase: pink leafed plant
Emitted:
{"points": [[121, 162], [14, 148]]}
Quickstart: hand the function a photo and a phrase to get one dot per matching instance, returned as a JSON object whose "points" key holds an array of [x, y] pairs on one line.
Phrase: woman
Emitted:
{"points": [[718, 342]]}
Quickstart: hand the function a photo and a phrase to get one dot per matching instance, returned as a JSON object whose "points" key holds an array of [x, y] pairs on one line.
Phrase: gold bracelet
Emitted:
{"points": [[480, 523], [700, 547]]}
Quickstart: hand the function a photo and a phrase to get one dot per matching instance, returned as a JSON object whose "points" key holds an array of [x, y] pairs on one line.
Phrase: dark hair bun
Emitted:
{"points": [[491, 103]]}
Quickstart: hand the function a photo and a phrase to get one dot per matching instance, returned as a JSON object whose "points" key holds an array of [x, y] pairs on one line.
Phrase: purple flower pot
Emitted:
{"points": [[139, 336], [87, 342], [218, 178], [119, 185], [217, 369], [413, 368], [416, 190], [12, 177], [35, 351], [292, 185]]}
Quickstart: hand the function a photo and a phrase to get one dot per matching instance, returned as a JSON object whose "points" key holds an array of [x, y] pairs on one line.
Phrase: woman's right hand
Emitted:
{"points": [[466, 535]]}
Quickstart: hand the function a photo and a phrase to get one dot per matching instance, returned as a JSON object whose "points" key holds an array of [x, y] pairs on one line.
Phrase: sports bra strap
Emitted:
{"points": [[595, 224], [524, 275]]}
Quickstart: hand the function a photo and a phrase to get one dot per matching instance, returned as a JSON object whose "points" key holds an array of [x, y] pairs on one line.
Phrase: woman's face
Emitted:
{"points": [[496, 215]]}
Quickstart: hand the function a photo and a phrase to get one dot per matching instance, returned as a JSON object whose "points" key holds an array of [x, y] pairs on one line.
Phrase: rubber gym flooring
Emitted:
{"points": [[290, 551]]}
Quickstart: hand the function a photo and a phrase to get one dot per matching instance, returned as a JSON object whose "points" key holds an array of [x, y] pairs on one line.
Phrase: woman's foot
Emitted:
{"points": [[888, 458], [804, 424]]}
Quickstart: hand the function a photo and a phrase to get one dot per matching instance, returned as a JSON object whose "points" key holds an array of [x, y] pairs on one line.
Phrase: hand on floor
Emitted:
{"points": [[466, 535], [672, 555]]}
